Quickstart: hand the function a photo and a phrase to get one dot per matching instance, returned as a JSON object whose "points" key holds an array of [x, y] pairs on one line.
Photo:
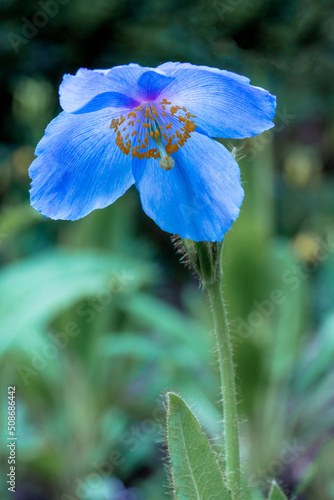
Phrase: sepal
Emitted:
{"points": [[204, 257]]}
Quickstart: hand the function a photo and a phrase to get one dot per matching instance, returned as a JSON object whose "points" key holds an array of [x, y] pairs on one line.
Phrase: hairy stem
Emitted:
{"points": [[228, 388]]}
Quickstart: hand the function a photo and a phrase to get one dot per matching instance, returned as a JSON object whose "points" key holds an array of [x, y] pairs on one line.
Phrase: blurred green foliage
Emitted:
{"points": [[98, 317]]}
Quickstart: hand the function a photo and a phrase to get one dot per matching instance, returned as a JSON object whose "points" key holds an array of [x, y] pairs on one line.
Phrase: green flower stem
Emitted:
{"points": [[228, 387]]}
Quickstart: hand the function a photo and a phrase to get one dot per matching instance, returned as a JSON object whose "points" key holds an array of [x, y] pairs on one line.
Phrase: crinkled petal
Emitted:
{"points": [[152, 83], [79, 167], [199, 197], [122, 87], [225, 104], [169, 68], [77, 93]]}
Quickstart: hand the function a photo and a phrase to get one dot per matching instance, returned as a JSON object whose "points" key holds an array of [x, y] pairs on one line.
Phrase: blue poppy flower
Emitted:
{"points": [[152, 127]]}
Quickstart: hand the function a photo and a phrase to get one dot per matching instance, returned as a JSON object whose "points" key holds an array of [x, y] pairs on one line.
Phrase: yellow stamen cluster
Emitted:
{"points": [[162, 121], [183, 133]]}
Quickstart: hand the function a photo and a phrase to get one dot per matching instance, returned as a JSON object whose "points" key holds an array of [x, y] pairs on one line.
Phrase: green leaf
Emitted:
{"points": [[14, 220], [158, 315], [140, 346], [276, 493], [33, 291], [195, 470]]}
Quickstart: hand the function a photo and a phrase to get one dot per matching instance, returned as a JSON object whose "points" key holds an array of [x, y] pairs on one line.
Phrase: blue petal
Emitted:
{"points": [[119, 87], [76, 92], [152, 83], [200, 197], [169, 68], [127, 73], [225, 104], [119, 103], [79, 167]]}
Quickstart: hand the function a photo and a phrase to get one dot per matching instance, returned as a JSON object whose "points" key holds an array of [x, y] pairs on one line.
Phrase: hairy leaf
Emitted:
{"points": [[276, 493], [195, 470]]}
